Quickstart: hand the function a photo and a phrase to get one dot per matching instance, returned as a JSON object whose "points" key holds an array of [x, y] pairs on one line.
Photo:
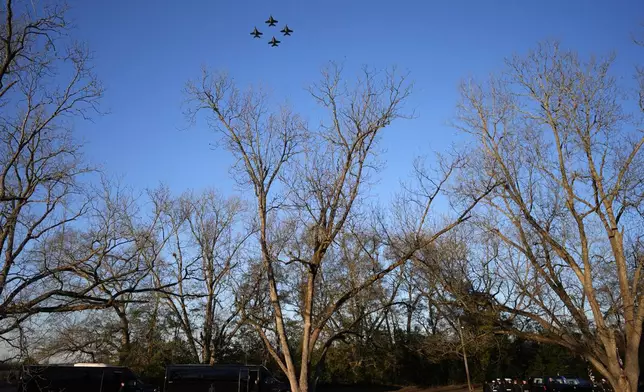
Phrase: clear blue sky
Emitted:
{"points": [[145, 51]]}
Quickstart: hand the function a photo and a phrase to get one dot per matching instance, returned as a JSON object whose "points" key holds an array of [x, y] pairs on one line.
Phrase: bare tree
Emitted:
{"points": [[442, 274], [40, 163], [564, 231], [113, 257], [90, 336], [308, 187], [207, 248], [135, 241]]}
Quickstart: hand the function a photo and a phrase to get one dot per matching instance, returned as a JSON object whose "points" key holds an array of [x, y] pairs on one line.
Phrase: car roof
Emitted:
{"points": [[77, 365], [201, 365]]}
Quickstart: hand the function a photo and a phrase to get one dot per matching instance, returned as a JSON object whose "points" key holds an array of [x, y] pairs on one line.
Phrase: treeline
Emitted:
{"points": [[532, 264], [379, 363], [405, 364]]}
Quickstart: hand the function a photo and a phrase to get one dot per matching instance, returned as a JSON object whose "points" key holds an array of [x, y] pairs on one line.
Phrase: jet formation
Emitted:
{"points": [[272, 22]]}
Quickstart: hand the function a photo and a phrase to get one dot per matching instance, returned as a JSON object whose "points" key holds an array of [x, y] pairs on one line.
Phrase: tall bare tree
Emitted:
{"points": [[207, 247], [564, 232], [40, 161], [125, 272], [443, 277], [308, 187], [114, 257]]}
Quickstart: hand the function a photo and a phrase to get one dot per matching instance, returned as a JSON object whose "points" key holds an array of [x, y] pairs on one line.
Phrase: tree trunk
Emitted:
{"points": [[152, 329], [624, 385], [631, 364], [621, 378], [124, 350], [307, 341], [292, 380], [206, 350]]}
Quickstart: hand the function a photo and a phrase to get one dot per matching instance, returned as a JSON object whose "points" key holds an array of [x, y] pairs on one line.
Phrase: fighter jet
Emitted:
{"points": [[271, 21], [273, 42], [256, 33], [286, 30]]}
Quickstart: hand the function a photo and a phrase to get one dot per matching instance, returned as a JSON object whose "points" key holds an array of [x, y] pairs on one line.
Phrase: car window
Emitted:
{"points": [[571, 381]]}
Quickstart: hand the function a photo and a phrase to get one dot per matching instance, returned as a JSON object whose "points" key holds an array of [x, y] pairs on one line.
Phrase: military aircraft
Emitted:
{"points": [[286, 30], [274, 42], [256, 33], [271, 21]]}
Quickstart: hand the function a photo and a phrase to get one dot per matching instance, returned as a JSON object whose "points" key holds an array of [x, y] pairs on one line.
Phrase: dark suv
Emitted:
{"points": [[80, 377], [221, 378]]}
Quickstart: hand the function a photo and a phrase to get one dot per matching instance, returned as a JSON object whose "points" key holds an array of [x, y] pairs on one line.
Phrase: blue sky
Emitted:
{"points": [[146, 50]]}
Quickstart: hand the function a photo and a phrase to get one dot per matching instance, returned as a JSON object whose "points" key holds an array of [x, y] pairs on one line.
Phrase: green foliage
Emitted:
{"points": [[396, 358], [401, 362]]}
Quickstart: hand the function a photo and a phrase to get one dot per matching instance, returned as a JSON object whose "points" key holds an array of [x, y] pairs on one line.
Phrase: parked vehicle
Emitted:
{"points": [[221, 378], [80, 377], [560, 384], [490, 386], [505, 385]]}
